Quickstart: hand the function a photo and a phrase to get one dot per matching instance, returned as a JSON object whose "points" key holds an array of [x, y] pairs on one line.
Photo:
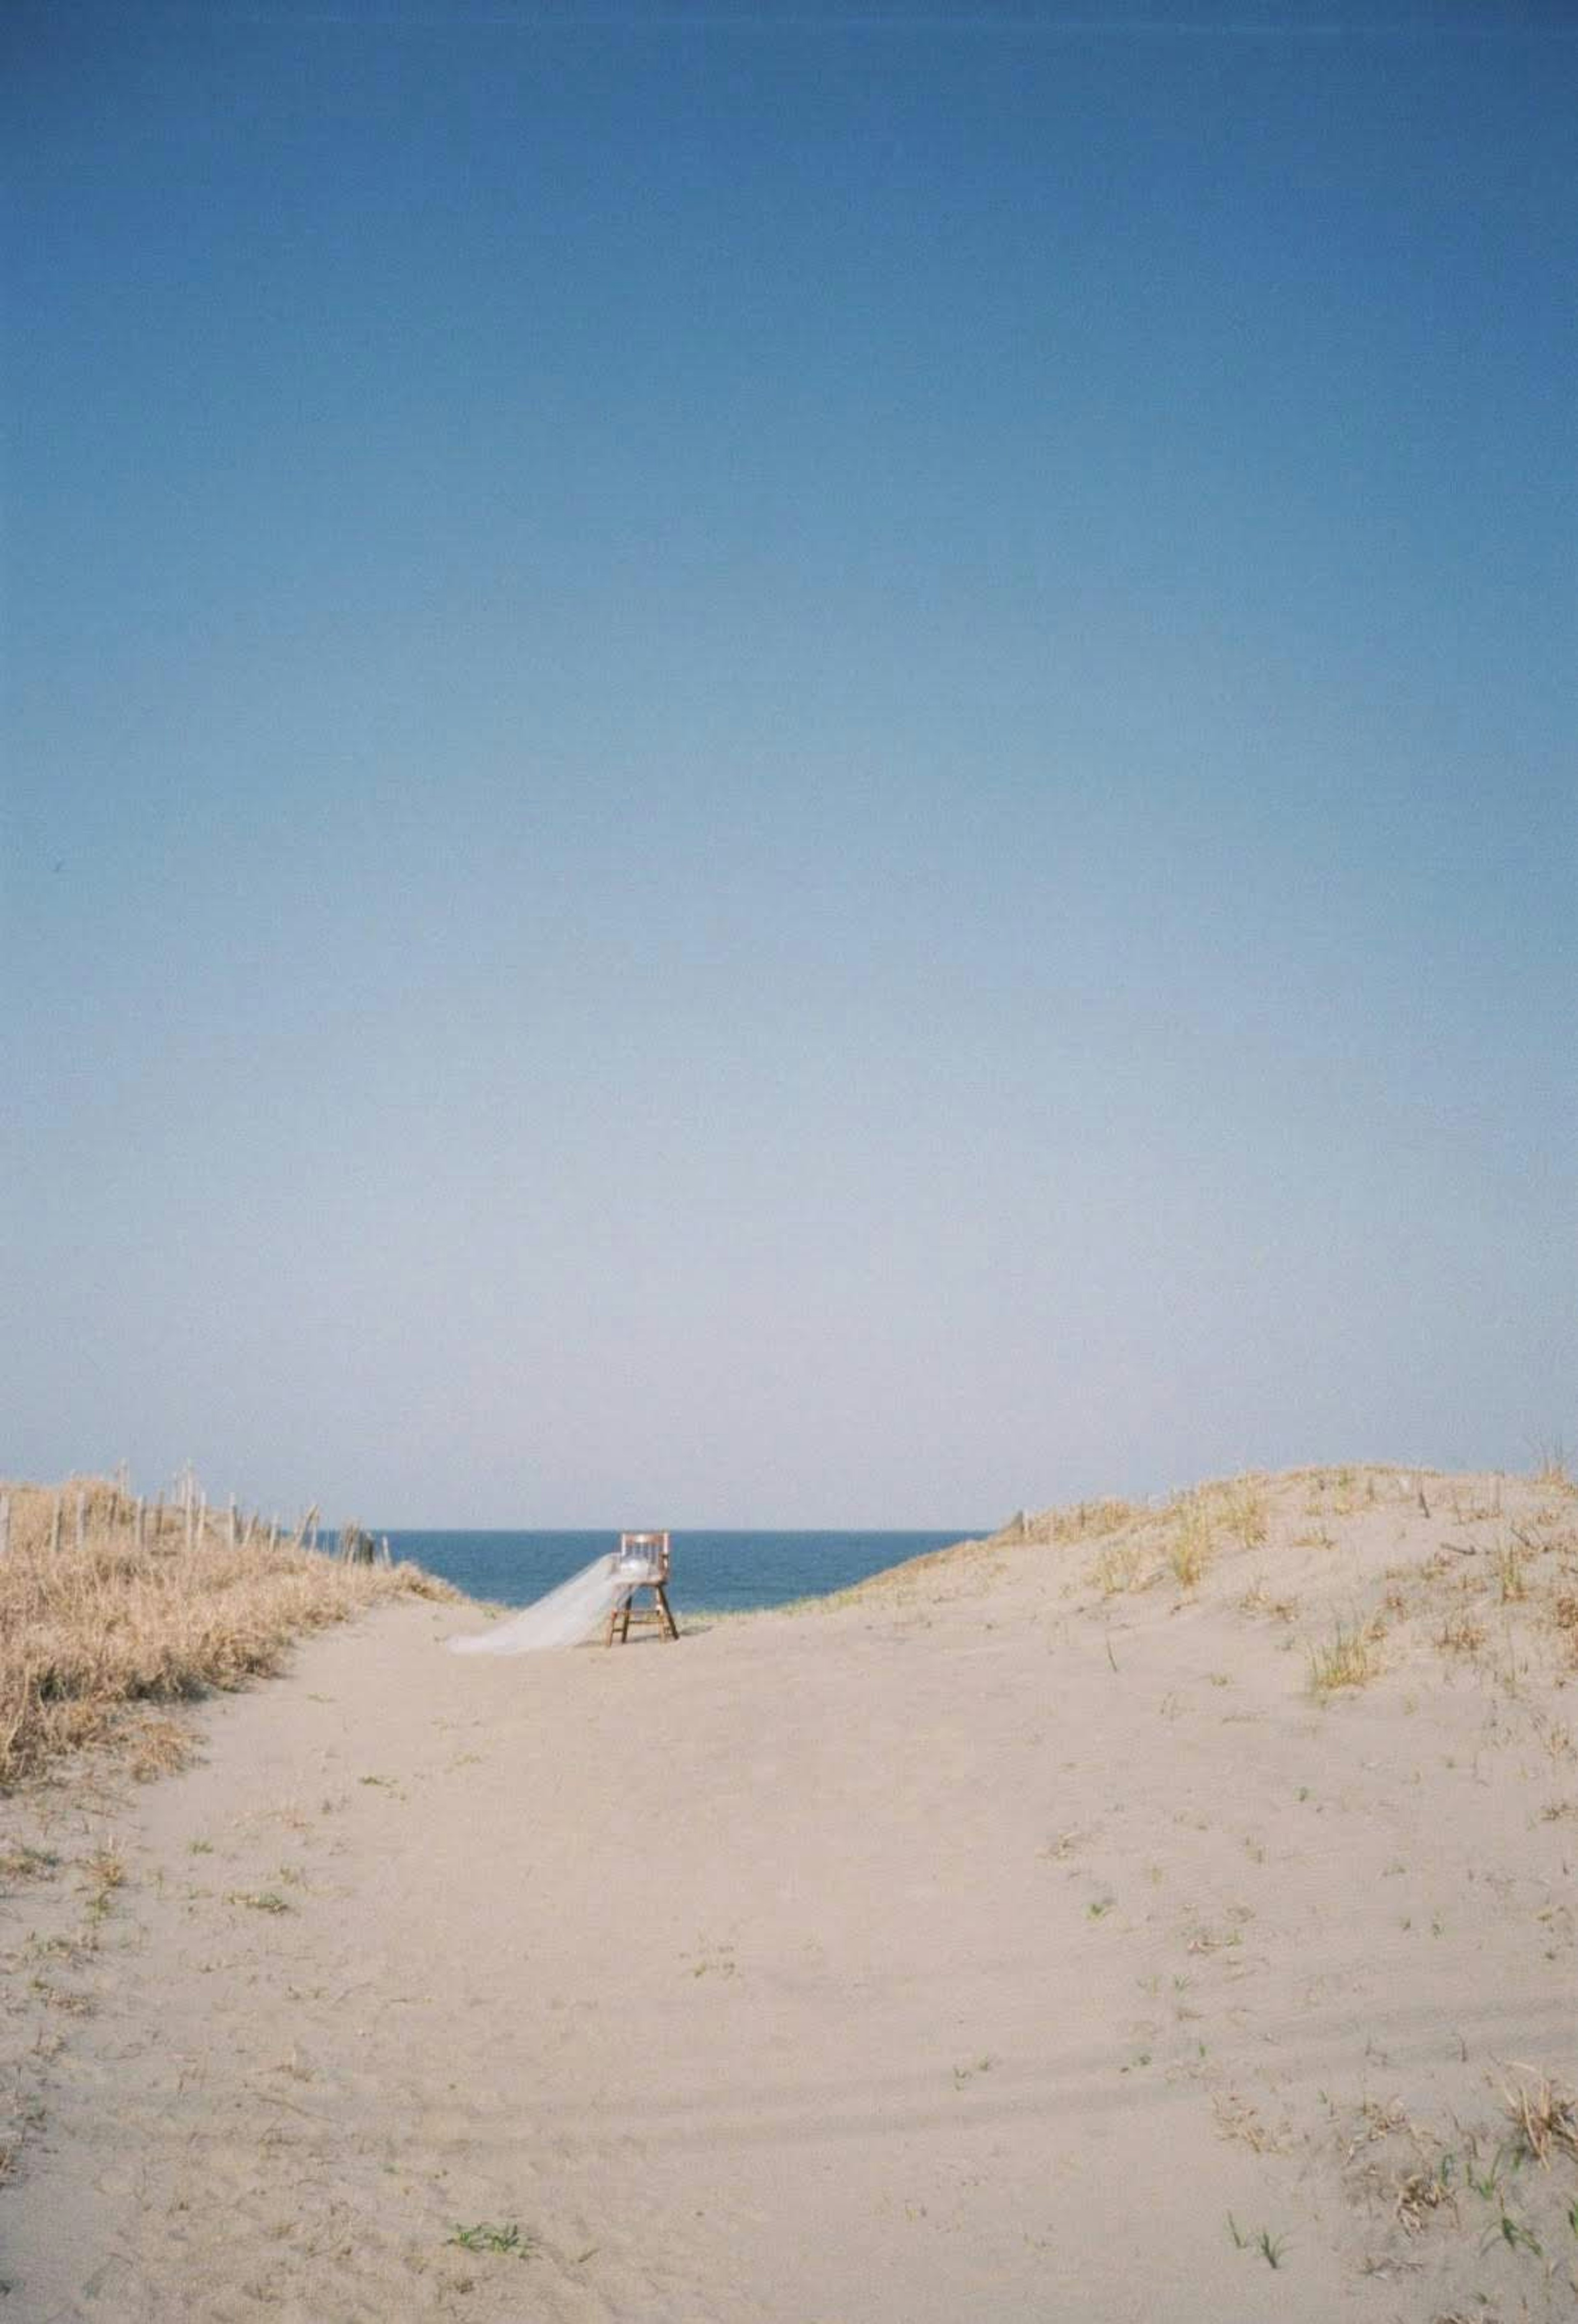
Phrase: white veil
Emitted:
{"points": [[564, 1617]]}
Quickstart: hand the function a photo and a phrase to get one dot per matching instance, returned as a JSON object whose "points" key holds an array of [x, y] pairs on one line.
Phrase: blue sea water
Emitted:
{"points": [[712, 1572]]}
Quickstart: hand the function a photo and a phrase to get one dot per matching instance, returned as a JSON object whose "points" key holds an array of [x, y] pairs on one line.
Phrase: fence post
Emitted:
{"points": [[81, 1517], [55, 1523], [137, 1519], [4, 1525]]}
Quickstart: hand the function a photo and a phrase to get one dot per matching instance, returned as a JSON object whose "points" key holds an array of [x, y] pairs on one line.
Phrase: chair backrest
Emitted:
{"points": [[647, 1549]]}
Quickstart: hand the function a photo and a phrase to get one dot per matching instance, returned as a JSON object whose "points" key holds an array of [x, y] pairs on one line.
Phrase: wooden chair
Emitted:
{"points": [[643, 1563]]}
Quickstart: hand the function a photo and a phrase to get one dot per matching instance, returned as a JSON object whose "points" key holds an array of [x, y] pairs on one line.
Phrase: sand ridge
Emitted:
{"points": [[1026, 1934]]}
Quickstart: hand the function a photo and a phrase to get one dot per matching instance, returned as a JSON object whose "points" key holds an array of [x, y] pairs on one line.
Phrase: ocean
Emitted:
{"points": [[712, 1572]]}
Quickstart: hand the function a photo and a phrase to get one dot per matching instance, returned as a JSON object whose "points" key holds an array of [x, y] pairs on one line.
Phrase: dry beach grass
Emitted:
{"points": [[1149, 1912], [95, 1635]]}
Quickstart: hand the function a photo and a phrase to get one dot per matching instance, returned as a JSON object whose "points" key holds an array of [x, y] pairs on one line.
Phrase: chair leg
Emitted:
{"points": [[623, 1610]]}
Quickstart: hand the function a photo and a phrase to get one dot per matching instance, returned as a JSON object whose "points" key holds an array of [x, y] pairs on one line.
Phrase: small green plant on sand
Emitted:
{"points": [[485, 2237], [106, 1870], [1486, 2183], [1271, 2248], [1513, 2233]]}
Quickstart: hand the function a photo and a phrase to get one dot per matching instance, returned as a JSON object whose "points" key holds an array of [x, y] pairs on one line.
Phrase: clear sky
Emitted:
{"points": [[774, 766]]}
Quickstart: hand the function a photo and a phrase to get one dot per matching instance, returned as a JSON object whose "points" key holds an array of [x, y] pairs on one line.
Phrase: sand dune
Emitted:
{"points": [[1031, 1933]]}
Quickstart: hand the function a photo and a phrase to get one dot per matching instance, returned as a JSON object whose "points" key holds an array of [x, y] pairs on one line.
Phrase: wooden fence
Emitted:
{"points": [[98, 1508]]}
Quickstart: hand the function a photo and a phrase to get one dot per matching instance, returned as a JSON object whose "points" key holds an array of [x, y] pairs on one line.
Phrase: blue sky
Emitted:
{"points": [[785, 767]]}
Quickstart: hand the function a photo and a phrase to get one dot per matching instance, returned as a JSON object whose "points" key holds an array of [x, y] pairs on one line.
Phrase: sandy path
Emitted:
{"points": [[956, 1953]]}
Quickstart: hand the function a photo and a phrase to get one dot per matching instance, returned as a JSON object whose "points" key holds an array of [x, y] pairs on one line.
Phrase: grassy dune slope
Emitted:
{"points": [[93, 1638], [1364, 1569]]}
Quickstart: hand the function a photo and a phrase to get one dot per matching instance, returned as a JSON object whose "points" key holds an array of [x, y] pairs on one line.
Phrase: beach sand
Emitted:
{"points": [[1023, 1936]]}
